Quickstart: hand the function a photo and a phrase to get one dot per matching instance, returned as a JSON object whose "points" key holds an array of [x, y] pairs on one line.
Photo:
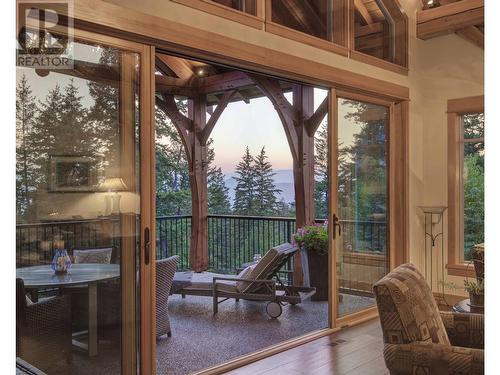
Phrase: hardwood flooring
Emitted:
{"points": [[352, 351]]}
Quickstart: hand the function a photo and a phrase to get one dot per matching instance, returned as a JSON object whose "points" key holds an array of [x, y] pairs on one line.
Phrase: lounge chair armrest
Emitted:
{"points": [[271, 282], [430, 358], [466, 330]]}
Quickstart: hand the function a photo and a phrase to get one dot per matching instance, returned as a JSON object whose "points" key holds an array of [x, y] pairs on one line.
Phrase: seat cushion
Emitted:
{"points": [[242, 285], [102, 256], [407, 309]]}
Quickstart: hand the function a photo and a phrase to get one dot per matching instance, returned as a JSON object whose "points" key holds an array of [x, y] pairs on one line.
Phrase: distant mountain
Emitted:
{"points": [[283, 179]]}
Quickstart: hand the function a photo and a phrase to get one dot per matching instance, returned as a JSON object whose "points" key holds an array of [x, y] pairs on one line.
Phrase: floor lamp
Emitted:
{"points": [[434, 235]]}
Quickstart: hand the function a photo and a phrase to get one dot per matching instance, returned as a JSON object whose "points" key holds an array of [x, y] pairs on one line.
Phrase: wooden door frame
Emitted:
{"points": [[397, 190]]}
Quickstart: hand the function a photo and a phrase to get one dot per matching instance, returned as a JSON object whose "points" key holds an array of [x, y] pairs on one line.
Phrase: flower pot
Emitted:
{"points": [[318, 275], [476, 302]]}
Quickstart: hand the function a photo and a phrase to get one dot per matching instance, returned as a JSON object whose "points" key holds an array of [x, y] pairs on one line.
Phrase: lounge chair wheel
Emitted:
{"points": [[274, 309]]}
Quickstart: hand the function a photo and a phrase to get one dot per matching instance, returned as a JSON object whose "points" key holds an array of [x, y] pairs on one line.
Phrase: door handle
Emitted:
{"points": [[147, 246], [336, 224]]}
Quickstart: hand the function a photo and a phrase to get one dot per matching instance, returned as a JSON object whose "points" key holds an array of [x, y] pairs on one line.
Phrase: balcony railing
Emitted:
{"points": [[232, 240]]}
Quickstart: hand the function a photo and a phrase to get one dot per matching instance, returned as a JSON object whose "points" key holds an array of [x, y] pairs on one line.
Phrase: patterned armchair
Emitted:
{"points": [[419, 339], [165, 271]]}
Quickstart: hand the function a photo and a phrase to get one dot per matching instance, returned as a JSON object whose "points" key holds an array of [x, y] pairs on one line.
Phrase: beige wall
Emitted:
{"points": [[440, 69]]}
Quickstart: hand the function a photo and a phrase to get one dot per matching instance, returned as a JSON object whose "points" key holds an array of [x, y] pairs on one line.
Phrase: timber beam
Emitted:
{"points": [[449, 18]]}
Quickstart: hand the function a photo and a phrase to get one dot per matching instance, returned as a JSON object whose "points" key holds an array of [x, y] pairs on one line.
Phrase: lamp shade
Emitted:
{"points": [[113, 184]]}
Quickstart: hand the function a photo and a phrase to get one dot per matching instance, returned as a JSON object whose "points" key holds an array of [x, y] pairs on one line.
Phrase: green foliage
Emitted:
{"points": [[321, 172], [473, 202], [244, 195], [265, 201], [25, 117], [474, 287], [313, 238], [218, 192]]}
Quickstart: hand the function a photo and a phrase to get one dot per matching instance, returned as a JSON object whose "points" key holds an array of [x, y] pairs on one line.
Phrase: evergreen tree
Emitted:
{"points": [[244, 193], [103, 114], [218, 192], [321, 172], [266, 202], [173, 189], [25, 117]]}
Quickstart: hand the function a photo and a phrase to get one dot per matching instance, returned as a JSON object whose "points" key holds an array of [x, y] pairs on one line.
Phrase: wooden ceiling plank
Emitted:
{"points": [[373, 28], [361, 8], [178, 66], [224, 81], [472, 34]]}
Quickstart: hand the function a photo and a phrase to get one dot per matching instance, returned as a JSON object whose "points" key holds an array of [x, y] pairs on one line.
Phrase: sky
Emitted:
{"points": [[254, 125]]}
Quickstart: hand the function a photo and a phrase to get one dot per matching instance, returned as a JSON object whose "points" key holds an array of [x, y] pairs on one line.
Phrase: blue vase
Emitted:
{"points": [[61, 262]]}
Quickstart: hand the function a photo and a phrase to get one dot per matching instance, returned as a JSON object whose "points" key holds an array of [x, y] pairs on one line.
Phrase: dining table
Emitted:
{"points": [[84, 275]]}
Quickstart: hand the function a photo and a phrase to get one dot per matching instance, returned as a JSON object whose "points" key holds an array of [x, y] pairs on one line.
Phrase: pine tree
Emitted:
{"points": [[173, 190], [265, 199], [218, 192], [103, 114], [321, 172], [25, 117], [244, 192]]}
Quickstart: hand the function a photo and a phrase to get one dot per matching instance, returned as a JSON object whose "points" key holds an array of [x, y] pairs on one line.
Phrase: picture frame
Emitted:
{"points": [[70, 173]]}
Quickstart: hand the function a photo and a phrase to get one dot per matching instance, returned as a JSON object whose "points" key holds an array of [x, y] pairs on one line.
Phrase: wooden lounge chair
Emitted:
{"points": [[260, 283]]}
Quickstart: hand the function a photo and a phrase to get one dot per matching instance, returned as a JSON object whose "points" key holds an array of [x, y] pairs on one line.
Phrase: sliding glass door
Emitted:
{"points": [[360, 145], [81, 207]]}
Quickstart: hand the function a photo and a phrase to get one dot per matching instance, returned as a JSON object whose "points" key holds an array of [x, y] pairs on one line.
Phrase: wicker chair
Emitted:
{"points": [[419, 339], [165, 271], [43, 329]]}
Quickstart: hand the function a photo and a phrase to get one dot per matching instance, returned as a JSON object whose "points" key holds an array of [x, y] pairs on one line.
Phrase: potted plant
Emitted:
{"points": [[476, 294], [314, 240]]}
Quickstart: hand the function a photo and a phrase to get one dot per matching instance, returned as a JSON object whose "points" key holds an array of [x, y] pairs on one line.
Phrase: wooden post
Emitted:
{"points": [[303, 167], [198, 254]]}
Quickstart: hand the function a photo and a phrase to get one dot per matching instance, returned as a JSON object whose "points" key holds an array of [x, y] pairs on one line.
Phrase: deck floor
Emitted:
{"points": [[352, 351], [201, 339]]}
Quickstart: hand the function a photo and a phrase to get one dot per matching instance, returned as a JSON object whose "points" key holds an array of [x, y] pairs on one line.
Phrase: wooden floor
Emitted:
{"points": [[352, 351]]}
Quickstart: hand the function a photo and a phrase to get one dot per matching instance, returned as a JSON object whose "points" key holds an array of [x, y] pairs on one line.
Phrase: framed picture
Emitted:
{"points": [[72, 174]]}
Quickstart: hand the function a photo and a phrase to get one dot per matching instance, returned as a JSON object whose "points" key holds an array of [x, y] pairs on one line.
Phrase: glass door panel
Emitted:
{"points": [[362, 202], [78, 212]]}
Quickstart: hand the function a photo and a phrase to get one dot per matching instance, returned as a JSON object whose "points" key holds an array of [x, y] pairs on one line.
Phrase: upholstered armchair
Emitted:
{"points": [[43, 330], [419, 339], [165, 271]]}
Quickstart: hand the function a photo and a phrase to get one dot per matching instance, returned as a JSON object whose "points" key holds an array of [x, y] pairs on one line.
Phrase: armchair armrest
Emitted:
{"points": [[466, 330], [430, 358]]}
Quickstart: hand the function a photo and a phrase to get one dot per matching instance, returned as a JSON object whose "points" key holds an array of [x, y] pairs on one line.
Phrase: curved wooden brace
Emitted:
{"points": [[181, 122], [313, 122], [221, 106], [286, 112]]}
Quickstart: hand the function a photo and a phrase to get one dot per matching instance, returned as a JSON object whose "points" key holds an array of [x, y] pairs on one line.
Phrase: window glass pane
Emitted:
{"points": [[247, 6], [312, 17], [362, 202], [77, 199], [374, 30], [473, 125], [473, 196]]}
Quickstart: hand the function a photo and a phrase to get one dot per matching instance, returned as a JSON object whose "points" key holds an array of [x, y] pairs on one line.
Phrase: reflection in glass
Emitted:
{"points": [[362, 201], [375, 30], [76, 128], [310, 17]]}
